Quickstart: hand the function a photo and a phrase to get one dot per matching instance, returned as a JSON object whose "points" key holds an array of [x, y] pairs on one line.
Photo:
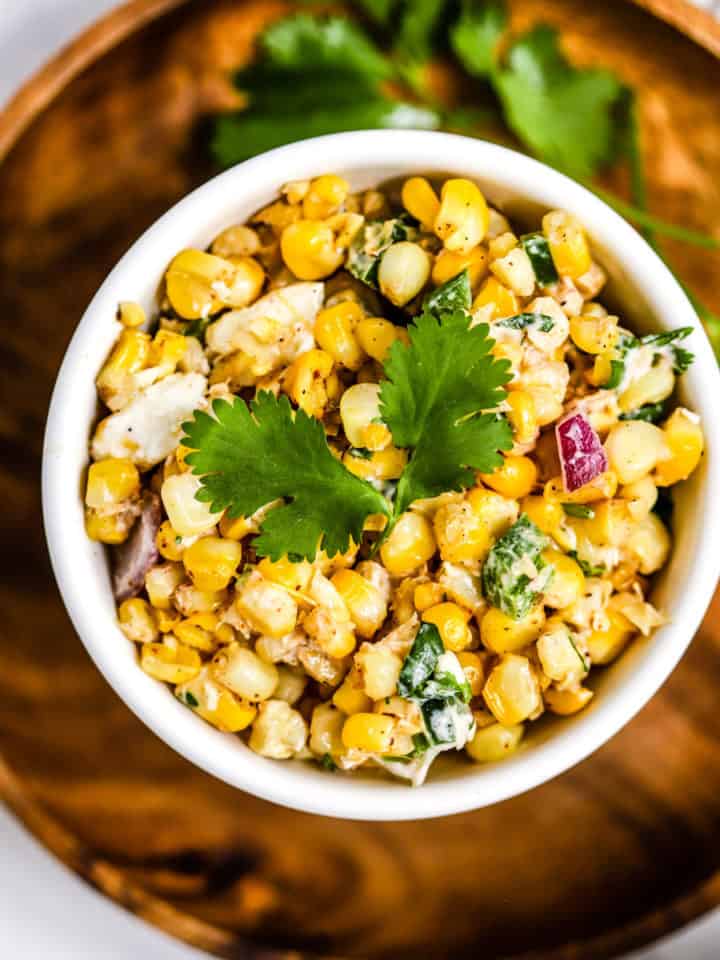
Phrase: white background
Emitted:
{"points": [[45, 911]]}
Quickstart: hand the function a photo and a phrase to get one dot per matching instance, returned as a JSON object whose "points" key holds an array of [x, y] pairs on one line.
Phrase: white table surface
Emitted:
{"points": [[45, 911]]}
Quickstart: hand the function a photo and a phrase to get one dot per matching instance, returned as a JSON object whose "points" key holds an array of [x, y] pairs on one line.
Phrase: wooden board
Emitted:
{"points": [[614, 853]]}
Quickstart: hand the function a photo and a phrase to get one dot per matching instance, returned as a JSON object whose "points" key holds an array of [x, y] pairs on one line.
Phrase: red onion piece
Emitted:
{"points": [[582, 457], [132, 559]]}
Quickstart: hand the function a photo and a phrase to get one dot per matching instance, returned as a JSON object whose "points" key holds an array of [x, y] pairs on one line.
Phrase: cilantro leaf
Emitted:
{"points": [[417, 28], [378, 10], [506, 575], [454, 294], [525, 321], [247, 457], [299, 41], [563, 114], [476, 35], [433, 400]]}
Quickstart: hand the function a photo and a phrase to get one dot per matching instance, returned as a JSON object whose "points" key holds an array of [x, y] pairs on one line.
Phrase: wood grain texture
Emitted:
{"points": [[614, 853]]}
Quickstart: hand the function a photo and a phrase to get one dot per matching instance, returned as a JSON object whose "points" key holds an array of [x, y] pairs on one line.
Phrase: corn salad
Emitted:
{"points": [[513, 590]]}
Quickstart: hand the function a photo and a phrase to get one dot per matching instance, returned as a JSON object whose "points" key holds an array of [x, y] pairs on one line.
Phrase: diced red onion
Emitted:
{"points": [[582, 457], [132, 559]]}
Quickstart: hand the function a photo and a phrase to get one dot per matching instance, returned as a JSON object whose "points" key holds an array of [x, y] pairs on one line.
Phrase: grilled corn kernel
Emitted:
{"points": [[236, 528], [161, 582], [501, 301], [560, 658], [427, 595], [501, 634], [361, 418], [501, 245], [385, 464], [448, 265], [511, 692], [166, 620], [215, 704], [594, 334], [267, 606], [566, 702], [474, 670], [380, 669], [568, 581], [198, 631], [199, 284], [652, 387], [365, 602], [325, 196], [291, 575], [243, 672], [409, 546], [610, 524], [514, 479], [649, 542], [167, 350], [515, 271], [128, 357], [305, 381], [291, 684], [634, 448], [170, 663], [403, 272], [137, 620], [496, 512], [169, 543], [600, 487], [111, 482], [211, 562], [568, 244], [326, 731], [462, 220], [335, 333], [236, 241], [279, 732], [106, 528], [309, 249], [189, 600], [188, 516], [603, 646], [548, 515], [350, 696], [494, 742], [420, 201], [131, 314], [522, 415], [452, 623], [461, 532], [685, 442], [370, 732], [376, 335]]}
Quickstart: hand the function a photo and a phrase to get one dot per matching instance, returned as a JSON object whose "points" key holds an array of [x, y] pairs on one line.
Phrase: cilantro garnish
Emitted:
{"points": [[327, 761], [579, 510], [589, 569], [435, 400], [247, 456], [476, 36]]}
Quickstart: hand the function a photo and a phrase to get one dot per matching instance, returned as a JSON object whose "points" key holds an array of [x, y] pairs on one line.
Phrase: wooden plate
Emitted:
{"points": [[618, 851]]}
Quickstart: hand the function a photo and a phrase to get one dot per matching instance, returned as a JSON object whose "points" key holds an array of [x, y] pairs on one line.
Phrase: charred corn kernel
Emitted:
{"points": [[380, 669], [501, 634], [403, 272], [649, 543], [325, 196], [166, 620], [161, 582], [452, 623], [634, 448], [501, 245], [189, 600], [309, 250], [326, 731], [409, 546], [474, 670], [131, 314], [685, 442], [499, 298], [267, 606], [522, 415], [128, 356], [181, 452], [601, 487], [461, 532], [224, 634], [462, 220], [236, 528], [514, 479], [548, 515], [199, 284], [170, 663], [385, 464], [594, 334], [111, 482], [188, 516], [167, 350], [236, 241], [370, 732], [305, 381], [610, 524], [198, 631], [365, 602], [291, 684], [291, 575], [350, 696], [495, 742], [243, 672], [420, 201], [568, 581], [279, 732], [448, 265], [216, 704], [427, 595], [495, 511], [278, 216], [106, 528], [566, 702], [548, 405], [603, 646], [559, 656], [211, 562], [652, 387], [515, 271], [511, 692], [137, 620], [335, 333], [376, 335], [568, 244], [361, 417]]}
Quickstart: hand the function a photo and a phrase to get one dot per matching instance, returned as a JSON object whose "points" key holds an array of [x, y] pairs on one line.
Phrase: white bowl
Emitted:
{"points": [[523, 188]]}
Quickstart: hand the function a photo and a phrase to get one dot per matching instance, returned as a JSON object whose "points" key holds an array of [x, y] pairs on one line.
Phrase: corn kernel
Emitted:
{"points": [[236, 241], [474, 669], [137, 620], [211, 562], [111, 482], [494, 742], [410, 545], [566, 702], [634, 448], [461, 532], [594, 334], [309, 250], [236, 528], [267, 606], [515, 271], [166, 620], [370, 732], [131, 314], [603, 646], [568, 244], [361, 417], [169, 543], [452, 623], [325, 196], [685, 441], [522, 415], [376, 335], [305, 381], [198, 631], [514, 479], [106, 528], [350, 696], [420, 201], [365, 602], [291, 575], [216, 704], [279, 732], [188, 516], [243, 672], [385, 464], [199, 284], [499, 298], [161, 582], [171, 664], [652, 387], [335, 333], [427, 595], [511, 692], [501, 634], [548, 515], [462, 220], [601, 487], [403, 272], [326, 731], [649, 542], [448, 265], [568, 581]]}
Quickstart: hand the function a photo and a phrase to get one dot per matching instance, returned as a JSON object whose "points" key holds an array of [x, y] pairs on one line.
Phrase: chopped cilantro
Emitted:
{"points": [[189, 699], [454, 294], [536, 247], [362, 453], [579, 510], [583, 660], [525, 321], [197, 328], [421, 661], [476, 35], [371, 242], [514, 574], [327, 761], [651, 412], [589, 569]]}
